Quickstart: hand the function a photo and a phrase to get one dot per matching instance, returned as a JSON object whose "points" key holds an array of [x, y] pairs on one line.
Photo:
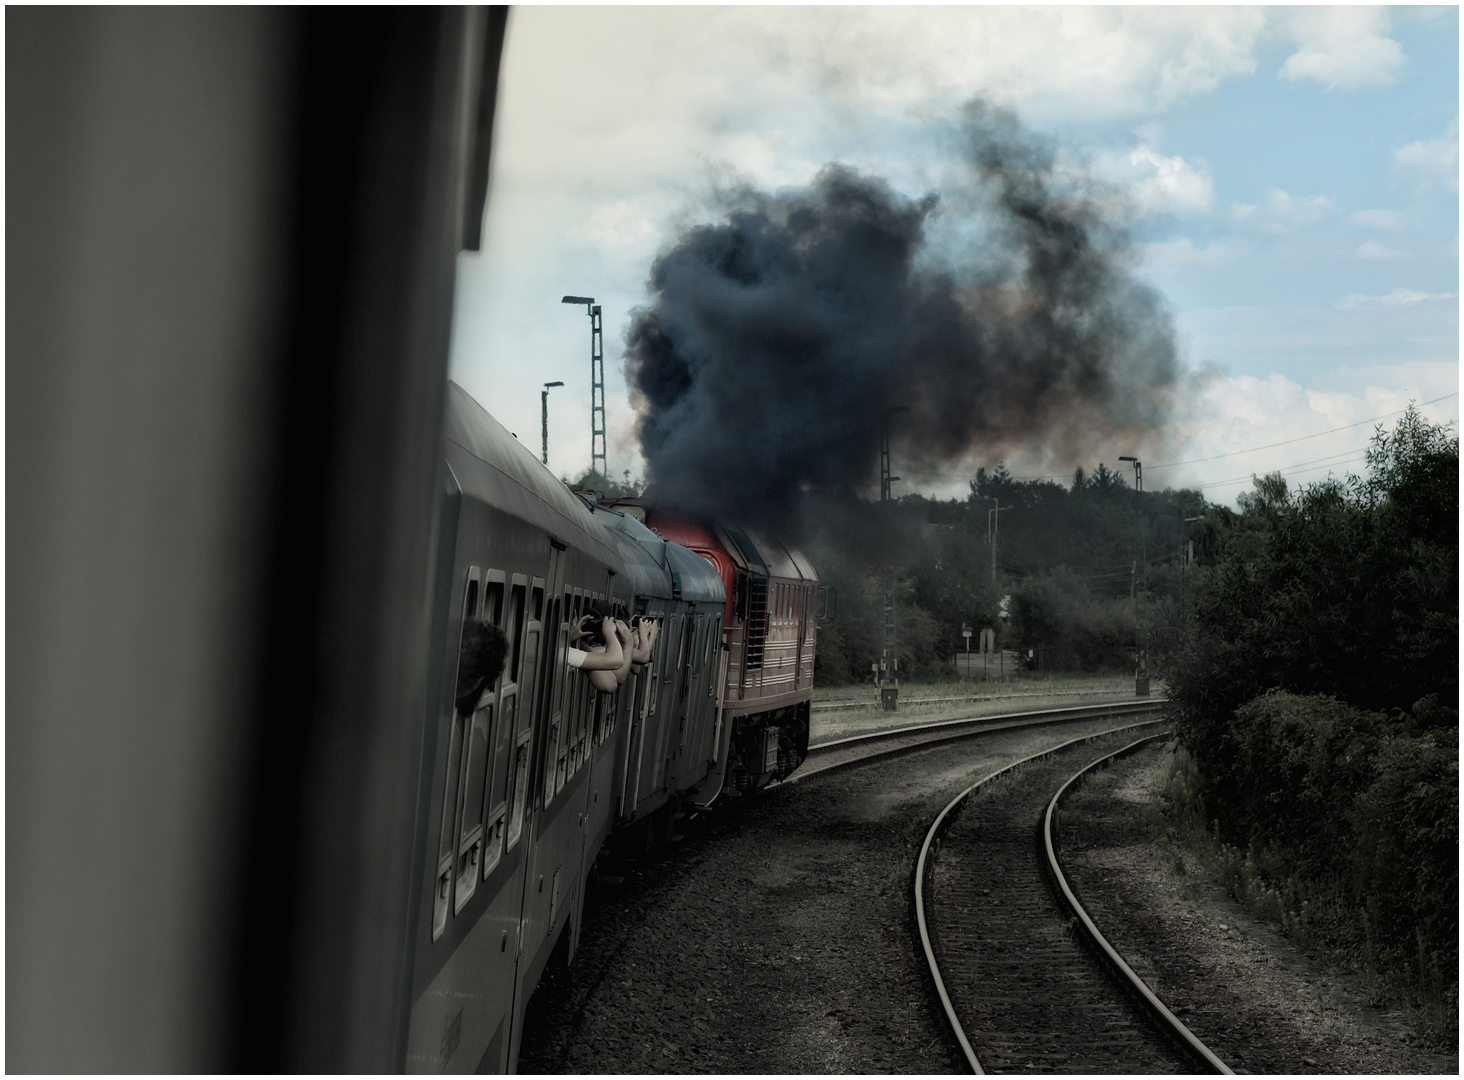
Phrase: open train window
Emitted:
{"points": [[477, 764], [452, 780], [493, 598], [516, 630]]}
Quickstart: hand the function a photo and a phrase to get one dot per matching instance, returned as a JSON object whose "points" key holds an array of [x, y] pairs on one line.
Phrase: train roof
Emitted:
{"points": [[650, 559], [514, 480], [765, 553], [752, 549]]}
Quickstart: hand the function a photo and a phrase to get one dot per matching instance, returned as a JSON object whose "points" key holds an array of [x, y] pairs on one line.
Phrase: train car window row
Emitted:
{"points": [[447, 834], [489, 751]]}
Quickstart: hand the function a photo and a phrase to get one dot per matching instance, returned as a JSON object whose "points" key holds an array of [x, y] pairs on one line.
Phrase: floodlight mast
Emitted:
{"points": [[888, 668], [597, 384]]}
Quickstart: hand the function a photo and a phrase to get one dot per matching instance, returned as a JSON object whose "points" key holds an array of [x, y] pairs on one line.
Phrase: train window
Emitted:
{"points": [[442, 894], [452, 777], [516, 632], [476, 765], [493, 599], [536, 602], [518, 781], [553, 692], [494, 824]]}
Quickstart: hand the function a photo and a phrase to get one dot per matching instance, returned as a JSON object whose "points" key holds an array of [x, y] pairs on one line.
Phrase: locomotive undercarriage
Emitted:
{"points": [[766, 747]]}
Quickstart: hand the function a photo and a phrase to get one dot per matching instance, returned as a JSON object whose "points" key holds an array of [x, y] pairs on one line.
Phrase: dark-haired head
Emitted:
{"points": [[592, 632], [480, 661]]}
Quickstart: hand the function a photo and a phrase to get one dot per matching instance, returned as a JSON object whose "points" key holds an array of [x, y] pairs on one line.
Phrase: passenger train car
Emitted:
{"points": [[519, 797]]}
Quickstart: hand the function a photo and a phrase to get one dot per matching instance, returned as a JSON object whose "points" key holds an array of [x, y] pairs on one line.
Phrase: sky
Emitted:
{"points": [[1290, 178]]}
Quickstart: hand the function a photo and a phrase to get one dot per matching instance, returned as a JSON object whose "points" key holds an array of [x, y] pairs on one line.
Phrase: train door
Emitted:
{"points": [[643, 719]]}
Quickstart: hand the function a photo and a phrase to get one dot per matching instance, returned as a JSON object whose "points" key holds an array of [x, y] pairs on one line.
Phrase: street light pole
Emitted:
{"points": [[597, 384], [544, 416], [1141, 643]]}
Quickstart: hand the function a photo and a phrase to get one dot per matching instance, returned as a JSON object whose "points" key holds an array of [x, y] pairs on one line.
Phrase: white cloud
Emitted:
{"points": [[1184, 252], [1157, 183], [1399, 297], [1371, 249], [1382, 220], [1279, 212], [617, 228], [1343, 48], [1434, 160], [1237, 422], [1094, 61]]}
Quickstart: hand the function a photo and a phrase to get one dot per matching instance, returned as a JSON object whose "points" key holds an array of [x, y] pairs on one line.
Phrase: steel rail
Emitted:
{"points": [[1111, 708], [1171, 1024], [983, 725], [873, 703], [921, 863]]}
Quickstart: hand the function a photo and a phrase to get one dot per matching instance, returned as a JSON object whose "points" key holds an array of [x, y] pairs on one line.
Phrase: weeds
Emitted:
{"points": [[1315, 915]]}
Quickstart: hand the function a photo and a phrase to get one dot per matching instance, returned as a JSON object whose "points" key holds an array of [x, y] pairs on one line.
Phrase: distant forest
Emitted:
{"points": [[1067, 562]]}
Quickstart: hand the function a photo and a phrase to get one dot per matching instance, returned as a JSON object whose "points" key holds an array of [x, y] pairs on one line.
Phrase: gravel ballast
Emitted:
{"points": [[777, 939]]}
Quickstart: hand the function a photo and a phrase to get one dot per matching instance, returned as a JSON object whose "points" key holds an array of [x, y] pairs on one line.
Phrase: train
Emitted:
{"points": [[524, 789]]}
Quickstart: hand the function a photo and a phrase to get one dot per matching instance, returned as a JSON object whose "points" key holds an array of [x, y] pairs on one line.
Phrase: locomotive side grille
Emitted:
{"points": [[757, 622]]}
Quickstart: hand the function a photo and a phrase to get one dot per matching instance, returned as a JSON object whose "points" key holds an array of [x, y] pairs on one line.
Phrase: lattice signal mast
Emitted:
{"points": [[597, 384], [889, 643]]}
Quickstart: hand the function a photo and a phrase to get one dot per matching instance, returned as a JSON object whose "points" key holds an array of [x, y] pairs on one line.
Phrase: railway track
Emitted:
{"points": [[751, 894], [1026, 980], [852, 750]]}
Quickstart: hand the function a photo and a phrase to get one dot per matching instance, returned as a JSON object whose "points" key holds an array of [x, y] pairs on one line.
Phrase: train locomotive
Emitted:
{"points": [[521, 790]]}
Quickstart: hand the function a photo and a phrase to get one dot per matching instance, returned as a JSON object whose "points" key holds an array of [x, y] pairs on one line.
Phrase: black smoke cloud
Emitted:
{"points": [[779, 335]]}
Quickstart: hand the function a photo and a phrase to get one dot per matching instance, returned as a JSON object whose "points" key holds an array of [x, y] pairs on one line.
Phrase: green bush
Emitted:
{"points": [[1342, 826]]}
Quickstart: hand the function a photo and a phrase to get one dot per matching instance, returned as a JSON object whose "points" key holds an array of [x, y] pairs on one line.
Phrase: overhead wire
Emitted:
{"points": [[1217, 457]]}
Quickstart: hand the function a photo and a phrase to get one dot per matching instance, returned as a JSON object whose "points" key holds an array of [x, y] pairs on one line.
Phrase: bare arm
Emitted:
{"points": [[622, 631], [645, 640], [611, 657]]}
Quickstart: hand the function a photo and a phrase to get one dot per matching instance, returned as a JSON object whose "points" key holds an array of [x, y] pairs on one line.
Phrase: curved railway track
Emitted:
{"points": [[752, 893], [1026, 980], [856, 749]]}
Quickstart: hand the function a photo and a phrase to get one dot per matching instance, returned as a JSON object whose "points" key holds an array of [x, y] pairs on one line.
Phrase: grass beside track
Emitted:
{"points": [[1306, 914]]}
